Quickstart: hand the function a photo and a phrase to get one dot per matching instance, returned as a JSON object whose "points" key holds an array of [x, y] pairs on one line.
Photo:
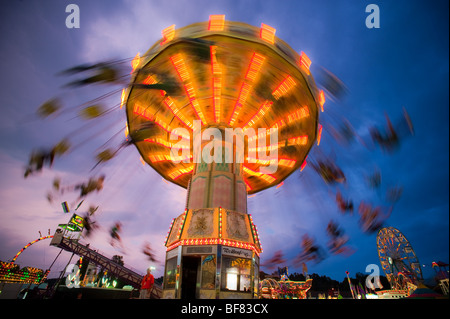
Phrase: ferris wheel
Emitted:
{"points": [[397, 258]]}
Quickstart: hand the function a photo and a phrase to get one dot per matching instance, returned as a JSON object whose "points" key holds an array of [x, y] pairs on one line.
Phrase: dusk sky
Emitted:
{"points": [[402, 64]]}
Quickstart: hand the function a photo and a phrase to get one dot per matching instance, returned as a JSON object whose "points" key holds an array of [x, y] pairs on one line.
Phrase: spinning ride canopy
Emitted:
{"points": [[226, 75]]}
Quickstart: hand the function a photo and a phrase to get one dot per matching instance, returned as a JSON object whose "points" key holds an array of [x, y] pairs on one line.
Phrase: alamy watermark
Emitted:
{"points": [[373, 19], [258, 150], [373, 280], [73, 278], [73, 19]]}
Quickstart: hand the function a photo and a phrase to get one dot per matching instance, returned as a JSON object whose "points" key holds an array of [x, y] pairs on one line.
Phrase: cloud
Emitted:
{"points": [[136, 26], [23, 199]]}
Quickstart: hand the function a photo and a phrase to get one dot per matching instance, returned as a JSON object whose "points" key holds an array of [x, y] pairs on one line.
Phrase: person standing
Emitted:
{"points": [[147, 285]]}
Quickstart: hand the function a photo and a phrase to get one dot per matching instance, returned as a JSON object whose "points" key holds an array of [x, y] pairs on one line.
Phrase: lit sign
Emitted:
{"points": [[75, 224], [236, 252], [77, 220]]}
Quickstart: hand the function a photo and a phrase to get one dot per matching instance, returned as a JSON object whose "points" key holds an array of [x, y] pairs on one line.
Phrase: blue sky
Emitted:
{"points": [[404, 63]]}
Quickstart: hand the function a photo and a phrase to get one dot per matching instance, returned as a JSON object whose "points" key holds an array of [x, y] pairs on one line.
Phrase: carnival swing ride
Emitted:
{"points": [[224, 76], [217, 75]]}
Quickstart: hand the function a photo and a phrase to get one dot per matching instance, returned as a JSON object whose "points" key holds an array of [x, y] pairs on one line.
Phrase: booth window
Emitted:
{"points": [[171, 269], [236, 274]]}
